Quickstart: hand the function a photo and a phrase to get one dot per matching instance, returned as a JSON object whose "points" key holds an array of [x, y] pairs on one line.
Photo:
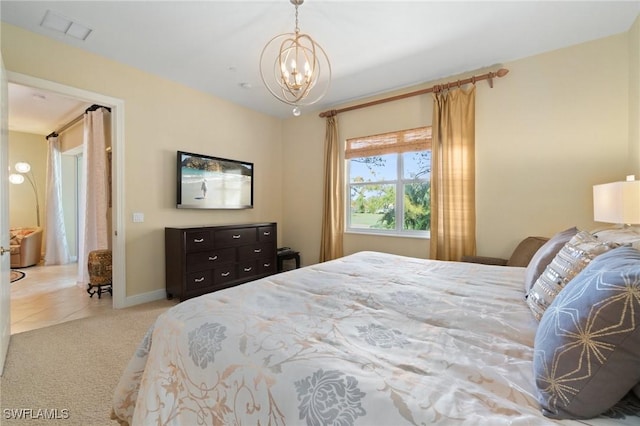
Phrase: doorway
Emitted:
{"points": [[117, 164]]}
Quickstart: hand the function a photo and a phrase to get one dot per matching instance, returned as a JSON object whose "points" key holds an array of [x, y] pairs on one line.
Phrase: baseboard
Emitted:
{"points": [[139, 299]]}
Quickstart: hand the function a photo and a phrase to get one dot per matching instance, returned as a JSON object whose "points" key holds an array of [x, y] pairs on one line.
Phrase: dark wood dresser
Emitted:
{"points": [[200, 260]]}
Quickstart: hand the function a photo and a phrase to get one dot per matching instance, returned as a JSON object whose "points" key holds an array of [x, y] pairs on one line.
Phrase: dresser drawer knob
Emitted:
{"points": [[236, 237], [225, 274], [213, 258], [266, 265], [198, 280], [198, 240], [257, 250], [266, 233], [248, 269]]}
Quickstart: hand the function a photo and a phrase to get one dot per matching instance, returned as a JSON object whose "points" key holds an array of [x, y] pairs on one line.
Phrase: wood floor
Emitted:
{"points": [[49, 295]]}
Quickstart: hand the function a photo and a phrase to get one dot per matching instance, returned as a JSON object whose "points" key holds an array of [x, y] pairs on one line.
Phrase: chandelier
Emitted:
{"points": [[291, 65]]}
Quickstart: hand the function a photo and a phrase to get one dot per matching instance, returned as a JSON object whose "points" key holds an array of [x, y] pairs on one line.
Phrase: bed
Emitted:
{"points": [[368, 339]]}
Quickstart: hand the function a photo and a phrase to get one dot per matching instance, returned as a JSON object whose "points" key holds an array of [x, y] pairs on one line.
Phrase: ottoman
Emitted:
{"points": [[99, 265]]}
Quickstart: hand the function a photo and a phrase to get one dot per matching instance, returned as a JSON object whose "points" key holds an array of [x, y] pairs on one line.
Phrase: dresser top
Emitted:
{"points": [[223, 226]]}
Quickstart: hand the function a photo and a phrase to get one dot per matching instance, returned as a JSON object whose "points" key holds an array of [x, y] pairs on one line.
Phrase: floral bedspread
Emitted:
{"points": [[369, 339]]}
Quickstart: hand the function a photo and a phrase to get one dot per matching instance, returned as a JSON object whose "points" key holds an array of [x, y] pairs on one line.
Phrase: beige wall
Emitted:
{"points": [[634, 98], [160, 117], [32, 149], [71, 139], [557, 124]]}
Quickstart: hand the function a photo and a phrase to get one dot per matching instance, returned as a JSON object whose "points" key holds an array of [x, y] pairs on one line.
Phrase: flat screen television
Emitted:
{"points": [[205, 182]]}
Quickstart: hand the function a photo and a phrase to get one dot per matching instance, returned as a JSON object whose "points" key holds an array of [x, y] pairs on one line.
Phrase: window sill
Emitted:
{"points": [[387, 234]]}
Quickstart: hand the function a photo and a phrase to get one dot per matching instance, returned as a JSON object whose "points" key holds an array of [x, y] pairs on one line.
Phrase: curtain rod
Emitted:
{"points": [[438, 87], [75, 120]]}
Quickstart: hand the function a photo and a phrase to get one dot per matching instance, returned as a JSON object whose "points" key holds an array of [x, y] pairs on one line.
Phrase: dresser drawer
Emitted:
{"points": [[210, 259], [198, 280], [198, 240], [266, 266], [247, 269], [255, 251], [266, 234], [235, 237], [224, 274]]}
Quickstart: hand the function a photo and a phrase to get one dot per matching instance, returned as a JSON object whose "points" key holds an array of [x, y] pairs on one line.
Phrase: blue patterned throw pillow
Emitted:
{"points": [[587, 346]]}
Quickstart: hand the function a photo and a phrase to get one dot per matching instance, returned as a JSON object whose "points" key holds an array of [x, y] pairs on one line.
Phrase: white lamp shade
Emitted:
{"points": [[22, 167], [16, 178], [617, 202]]}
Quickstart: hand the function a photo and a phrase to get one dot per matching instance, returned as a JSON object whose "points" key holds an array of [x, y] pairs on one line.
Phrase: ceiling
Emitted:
{"points": [[374, 46]]}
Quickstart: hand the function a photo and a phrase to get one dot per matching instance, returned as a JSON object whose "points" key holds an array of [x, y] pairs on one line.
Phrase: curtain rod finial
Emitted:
{"points": [[330, 113], [502, 72]]}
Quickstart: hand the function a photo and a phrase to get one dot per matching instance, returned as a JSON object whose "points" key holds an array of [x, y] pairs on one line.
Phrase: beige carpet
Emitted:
{"points": [[73, 366]]}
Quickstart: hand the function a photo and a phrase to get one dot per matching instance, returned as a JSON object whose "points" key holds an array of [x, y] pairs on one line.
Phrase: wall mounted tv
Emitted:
{"points": [[205, 182]]}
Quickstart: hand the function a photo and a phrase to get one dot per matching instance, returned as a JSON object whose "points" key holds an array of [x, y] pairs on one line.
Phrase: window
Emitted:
{"points": [[389, 183]]}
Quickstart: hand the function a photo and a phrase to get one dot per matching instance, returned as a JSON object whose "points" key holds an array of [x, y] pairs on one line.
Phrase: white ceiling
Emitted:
{"points": [[374, 46]]}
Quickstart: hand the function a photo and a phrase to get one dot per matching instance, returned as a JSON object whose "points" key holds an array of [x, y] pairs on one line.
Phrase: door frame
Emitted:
{"points": [[117, 167], [5, 256]]}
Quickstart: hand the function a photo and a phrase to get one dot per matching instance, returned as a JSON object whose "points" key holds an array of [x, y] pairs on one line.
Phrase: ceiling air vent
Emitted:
{"points": [[64, 25]]}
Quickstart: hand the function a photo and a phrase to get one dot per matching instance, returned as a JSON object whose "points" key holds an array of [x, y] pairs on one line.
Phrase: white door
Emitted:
{"points": [[5, 257]]}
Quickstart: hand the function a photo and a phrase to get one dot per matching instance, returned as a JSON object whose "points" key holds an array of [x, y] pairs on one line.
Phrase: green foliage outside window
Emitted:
{"points": [[373, 184]]}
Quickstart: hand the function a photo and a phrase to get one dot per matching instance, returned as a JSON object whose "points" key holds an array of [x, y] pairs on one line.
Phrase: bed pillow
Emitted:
{"points": [[627, 236], [587, 347], [545, 255], [525, 251], [570, 260]]}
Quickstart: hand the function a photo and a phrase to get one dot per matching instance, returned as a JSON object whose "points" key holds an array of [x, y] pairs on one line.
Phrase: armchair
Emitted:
{"points": [[25, 246]]}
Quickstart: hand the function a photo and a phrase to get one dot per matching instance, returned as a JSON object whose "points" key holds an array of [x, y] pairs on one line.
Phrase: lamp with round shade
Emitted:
{"points": [[24, 170]]}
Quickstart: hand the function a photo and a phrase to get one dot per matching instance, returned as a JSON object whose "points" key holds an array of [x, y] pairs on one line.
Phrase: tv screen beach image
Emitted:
{"points": [[215, 183]]}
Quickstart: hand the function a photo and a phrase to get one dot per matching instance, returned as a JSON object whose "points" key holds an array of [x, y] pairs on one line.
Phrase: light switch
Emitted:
{"points": [[138, 217]]}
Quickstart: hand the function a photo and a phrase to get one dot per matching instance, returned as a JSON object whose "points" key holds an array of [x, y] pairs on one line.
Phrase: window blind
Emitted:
{"points": [[418, 139]]}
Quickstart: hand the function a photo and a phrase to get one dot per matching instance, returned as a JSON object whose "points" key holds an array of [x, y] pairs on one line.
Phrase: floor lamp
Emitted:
{"points": [[24, 169]]}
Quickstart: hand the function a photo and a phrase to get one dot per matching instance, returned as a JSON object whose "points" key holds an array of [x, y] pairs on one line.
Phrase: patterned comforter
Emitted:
{"points": [[369, 339]]}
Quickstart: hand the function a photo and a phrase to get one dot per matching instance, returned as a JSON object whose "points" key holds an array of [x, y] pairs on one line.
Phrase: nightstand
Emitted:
{"points": [[288, 254]]}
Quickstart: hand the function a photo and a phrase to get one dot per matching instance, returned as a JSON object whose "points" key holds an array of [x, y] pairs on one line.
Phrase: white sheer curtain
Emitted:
{"points": [[55, 246], [94, 194]]}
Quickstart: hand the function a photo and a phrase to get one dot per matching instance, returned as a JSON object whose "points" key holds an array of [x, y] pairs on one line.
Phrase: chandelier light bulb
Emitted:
{"points": [[296, 111]]}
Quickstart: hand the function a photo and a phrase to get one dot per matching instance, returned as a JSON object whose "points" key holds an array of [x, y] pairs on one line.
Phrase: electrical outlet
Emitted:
{"points": [[138, 217]]}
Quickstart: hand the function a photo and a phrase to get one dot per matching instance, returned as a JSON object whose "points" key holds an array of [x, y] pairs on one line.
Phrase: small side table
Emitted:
{"points": [[99, 265], [288, 255]]}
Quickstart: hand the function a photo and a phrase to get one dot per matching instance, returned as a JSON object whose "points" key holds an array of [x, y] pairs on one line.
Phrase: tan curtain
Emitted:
{"points": [[453, 217], [333, 210]]}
